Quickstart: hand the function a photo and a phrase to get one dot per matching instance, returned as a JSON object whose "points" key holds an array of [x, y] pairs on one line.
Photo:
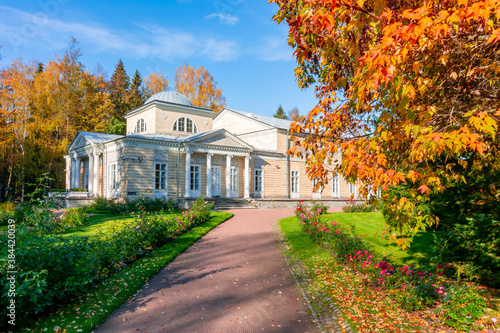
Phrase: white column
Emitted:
{"points": [[91, 173], [187, 188], [228, 176], [247, 177], [77, 173], [96, 173], [73, 173], [209, 175]]}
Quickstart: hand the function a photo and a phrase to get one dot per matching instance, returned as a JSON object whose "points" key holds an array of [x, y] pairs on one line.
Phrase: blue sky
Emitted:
{"points": [[236, 40]]}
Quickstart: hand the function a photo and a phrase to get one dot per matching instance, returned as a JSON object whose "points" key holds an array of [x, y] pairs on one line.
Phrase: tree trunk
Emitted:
{"points": [[8, 183]]}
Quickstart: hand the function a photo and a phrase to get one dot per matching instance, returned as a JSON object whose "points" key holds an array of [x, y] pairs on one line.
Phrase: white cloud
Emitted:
{"points": [[273, 49], [224, 18], [22, 29]]}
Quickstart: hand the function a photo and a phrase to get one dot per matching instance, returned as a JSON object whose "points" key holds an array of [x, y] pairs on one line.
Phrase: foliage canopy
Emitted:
{"points": [[409, 91]]}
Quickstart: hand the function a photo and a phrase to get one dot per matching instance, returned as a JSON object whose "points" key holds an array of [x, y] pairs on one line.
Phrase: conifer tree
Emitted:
{"points": [[280, 113], [135, 97], [119, 87]]}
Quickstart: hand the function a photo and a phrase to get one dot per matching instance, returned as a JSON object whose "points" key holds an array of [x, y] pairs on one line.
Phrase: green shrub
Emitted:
{"points": [[149, 204], [74, 217], [474, 242], [461, 307], [417, 297], [200, 212], [353, 207], [6, 207], [53, 269], [113, 206], [6, 212], [103, 205], [323, 208]]}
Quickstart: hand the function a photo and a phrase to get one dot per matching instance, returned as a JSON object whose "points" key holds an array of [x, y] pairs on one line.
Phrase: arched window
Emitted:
{"points": [[140, 126], [184, 124]]}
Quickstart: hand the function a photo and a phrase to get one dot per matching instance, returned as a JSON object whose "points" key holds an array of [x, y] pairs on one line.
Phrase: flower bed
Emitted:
{"points": [[427, 289]]}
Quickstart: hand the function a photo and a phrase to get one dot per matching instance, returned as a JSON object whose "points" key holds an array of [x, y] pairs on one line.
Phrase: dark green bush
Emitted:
{"points": [[476, 242]]}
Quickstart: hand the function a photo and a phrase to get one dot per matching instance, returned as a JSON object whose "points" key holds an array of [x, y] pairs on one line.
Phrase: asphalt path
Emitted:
{"points": [[234, 279]]}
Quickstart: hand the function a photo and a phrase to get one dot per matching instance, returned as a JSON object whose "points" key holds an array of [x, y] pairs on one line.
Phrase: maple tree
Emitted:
{"points": [[408, 92], [199, 86]]}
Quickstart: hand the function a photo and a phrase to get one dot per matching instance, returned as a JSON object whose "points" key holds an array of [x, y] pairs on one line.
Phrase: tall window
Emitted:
{"points": [[112, 177], [195, 177], [234, 179], [353, 189], [184, 124], [335, 186], [140, 126], [258, 180], [295, 181], [160, 176]]}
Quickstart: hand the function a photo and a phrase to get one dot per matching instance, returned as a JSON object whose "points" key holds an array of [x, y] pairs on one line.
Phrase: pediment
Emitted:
{"points": [[78, 142], [83, 139], [222, 138]]}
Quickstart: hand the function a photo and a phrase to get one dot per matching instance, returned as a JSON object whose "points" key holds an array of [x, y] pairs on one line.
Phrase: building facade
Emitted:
{"points": [[174, 150]]}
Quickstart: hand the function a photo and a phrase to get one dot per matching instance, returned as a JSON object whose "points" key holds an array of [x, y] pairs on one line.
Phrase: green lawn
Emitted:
{"points": [[371, 225], [304, 248], [103, 225]]}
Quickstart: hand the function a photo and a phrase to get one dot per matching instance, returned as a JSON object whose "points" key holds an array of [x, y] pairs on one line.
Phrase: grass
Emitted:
{"points": [[91, 309], [332, 285], [370, 226], [304, 248], [103, 225]]}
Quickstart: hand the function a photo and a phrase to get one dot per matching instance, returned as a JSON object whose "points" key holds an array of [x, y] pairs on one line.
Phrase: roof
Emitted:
{"points": [[170, 97], [99, 137], [271, 121], [82, 139]]}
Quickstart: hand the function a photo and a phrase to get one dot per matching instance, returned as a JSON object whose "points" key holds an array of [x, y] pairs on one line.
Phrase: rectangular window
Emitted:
{"points": [[258, 180], [295, 181], [195, 177], [112, 177], [335, 187], [181, 124], [234, 179], [353, 189], [160, 176]]}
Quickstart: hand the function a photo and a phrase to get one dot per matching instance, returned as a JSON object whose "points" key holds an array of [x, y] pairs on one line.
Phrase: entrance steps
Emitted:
{"points": [[233, 203]]}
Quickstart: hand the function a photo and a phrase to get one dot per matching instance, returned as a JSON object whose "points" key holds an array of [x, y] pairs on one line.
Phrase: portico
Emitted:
{"points": [[224, 159]]}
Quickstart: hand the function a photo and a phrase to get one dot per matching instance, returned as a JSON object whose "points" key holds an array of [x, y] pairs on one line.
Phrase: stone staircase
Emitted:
{"points": [[233, 203]]}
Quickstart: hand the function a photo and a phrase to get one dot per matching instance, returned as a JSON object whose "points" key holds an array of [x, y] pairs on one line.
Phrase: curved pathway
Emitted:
{"points": [[232, 280]]}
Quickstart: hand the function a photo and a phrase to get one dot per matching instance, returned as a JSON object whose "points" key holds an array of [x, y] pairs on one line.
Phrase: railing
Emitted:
{"points": [[78, 194]]}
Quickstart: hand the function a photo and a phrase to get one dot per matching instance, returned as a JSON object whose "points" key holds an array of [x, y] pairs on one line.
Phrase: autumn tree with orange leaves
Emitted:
{"points": [[408, 91], [199, 86]]}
